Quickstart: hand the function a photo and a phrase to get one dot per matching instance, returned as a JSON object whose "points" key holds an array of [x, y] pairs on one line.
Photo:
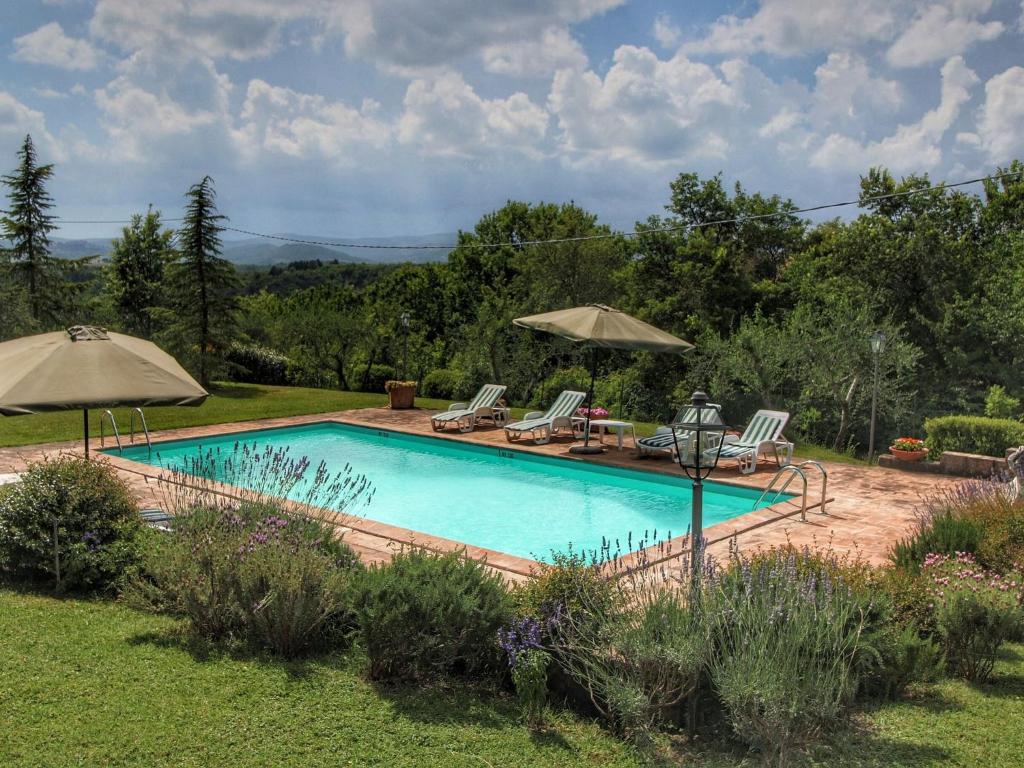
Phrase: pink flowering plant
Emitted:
{"points": [[976, 611], [597, 412]]}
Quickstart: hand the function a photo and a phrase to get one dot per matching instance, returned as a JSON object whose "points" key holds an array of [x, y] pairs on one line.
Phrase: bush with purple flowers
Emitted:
{"points": [[529, 664]]}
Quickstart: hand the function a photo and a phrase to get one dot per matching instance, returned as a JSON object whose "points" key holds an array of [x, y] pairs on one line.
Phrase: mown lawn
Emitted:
{"points": [[242, 402], [95, 683]]}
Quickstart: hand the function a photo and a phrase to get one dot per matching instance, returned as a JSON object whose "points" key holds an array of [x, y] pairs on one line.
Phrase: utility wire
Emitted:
{"points": [[860, 202]]}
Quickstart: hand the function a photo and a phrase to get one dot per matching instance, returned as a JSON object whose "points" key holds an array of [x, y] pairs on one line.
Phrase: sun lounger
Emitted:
{"points": [[541, 425], [464, 416]]}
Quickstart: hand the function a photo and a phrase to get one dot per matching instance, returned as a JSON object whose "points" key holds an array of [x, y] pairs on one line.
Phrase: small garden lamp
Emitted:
{"points": [[404, 317], [692, 439], [877, 348]]}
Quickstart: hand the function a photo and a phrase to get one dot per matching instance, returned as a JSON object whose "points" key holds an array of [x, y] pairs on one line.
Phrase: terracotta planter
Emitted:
{"points": [[908, 455], [402, 397]]}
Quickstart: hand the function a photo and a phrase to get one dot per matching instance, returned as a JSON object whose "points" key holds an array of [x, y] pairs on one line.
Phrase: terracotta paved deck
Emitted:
{"points": [[870, 507]]}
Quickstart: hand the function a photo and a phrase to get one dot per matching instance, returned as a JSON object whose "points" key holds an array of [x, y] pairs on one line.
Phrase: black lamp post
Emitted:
{"points": [[877, 347], [690, 443], [404, 317]]}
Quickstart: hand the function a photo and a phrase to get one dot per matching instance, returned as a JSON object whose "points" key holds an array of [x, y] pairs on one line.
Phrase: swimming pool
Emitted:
{"points": [[515, 502]]}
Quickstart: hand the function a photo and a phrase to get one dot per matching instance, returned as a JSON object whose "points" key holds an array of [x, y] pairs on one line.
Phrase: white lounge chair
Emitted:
{"points": [[762, 435], [663, 442], [464, 416], [541, 425]]}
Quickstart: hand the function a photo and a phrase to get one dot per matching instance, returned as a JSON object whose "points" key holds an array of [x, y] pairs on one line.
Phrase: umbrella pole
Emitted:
{"points": [[586, 447], [85, 430]]}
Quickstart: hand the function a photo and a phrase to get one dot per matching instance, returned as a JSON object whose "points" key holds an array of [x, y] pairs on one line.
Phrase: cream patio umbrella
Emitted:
{"points": [[86, 367], [598, 326]]}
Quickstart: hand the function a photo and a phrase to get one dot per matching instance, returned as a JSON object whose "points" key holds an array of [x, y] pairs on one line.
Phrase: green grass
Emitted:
{"points": [[228, 403], [243, 402], [96, 683]]}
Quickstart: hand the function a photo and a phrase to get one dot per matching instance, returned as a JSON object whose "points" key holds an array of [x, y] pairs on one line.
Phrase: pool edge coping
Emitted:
{"points": [[495, 559]]}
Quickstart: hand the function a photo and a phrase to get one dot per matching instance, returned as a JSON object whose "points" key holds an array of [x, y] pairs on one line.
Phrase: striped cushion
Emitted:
{"points": [[662, 440]]}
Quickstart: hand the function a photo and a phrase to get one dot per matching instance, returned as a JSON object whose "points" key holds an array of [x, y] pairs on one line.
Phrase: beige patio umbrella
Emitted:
{"points": [[598, 326], [87, 367]]}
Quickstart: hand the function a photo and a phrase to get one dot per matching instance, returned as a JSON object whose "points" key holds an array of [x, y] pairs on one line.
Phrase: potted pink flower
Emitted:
{"points": [[908, 449], [595, 413]]}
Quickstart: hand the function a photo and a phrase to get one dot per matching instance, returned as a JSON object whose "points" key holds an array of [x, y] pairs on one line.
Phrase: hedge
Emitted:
{"points": [[972, 434]]}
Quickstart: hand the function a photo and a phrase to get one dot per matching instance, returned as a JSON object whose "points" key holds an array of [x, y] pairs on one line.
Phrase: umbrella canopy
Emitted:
{"points": [[596, 325], [86, 367]]}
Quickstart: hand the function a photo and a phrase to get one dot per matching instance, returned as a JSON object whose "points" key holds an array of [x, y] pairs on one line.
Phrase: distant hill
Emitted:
{"points": [[263, 252]]}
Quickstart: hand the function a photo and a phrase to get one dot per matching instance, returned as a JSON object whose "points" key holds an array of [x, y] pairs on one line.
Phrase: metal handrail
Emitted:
{"points": [[824, 481], [771, 486], [145, 429], [113, 426]]}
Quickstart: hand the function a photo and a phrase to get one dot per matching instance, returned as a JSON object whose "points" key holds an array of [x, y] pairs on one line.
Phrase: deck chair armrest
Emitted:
{"points": [[458, 406], [533, 415], [730, 439], [663, 431]]}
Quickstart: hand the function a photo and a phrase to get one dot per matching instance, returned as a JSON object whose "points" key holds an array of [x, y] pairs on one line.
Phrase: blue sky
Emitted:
{"points": [[389, 117]]}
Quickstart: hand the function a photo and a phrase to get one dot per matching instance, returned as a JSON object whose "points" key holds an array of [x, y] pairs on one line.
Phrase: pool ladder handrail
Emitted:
{"points": [[145, 429], [797, 470], [113, 427], [131, 427]]}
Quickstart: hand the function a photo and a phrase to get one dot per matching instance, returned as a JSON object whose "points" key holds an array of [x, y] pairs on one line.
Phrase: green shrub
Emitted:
{"points": [[568, 586], [946, 534], [257, 365], [447, 384], [1001, 405], [787, 634], [639, 661], [976, 612], [529, 664], [900, 656], [426, 614], [972, 434], [70, 520], [252, 572], [372, 380]]}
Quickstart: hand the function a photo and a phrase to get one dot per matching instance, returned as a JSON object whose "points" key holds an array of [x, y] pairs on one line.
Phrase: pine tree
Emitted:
{"points": [[27, 226], [138, 261], [202, 287]]}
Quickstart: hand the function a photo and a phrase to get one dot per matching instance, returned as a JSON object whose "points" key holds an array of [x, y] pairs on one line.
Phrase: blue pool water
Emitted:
{"points": [[506, 500]]}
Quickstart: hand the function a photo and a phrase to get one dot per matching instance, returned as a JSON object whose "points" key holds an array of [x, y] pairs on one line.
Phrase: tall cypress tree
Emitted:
{"points": [[202, 286], [27, 225]]}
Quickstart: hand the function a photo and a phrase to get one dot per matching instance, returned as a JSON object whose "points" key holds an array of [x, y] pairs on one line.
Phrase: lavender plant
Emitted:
{"points": [[786, 630], [528, 663]]}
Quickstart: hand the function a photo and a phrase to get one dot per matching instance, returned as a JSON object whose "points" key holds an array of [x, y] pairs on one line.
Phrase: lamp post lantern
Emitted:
{"points": [[692, 440], [404, 317], [877, 347]]}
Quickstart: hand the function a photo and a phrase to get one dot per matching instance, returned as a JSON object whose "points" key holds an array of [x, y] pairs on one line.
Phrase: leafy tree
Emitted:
{"points": [[202, 287], [327, 324], [138, 261], [27, 225]]}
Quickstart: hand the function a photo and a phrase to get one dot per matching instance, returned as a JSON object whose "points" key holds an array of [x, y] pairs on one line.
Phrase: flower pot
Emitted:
{"points": [[402, 396], [908, 455]]}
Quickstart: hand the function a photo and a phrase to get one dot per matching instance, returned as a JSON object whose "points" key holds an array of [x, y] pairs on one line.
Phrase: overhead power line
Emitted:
{"points": [[610, 235], [860, 202]]}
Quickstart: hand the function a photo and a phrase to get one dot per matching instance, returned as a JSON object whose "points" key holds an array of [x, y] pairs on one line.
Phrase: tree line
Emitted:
{"points": [[781, 308]]}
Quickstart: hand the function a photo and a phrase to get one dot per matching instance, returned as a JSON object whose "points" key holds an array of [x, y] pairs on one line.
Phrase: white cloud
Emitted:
{"points": [[796, 27], [49, 93], [847, 95], [299, 125], [17, 120], [912, 147], [237, 29], [782, 121], [554, 49], [665, 32], [160, 103], [644, 110], [49, 45], [445, 116], [411, 36], [940, 31], [1001, 119]]}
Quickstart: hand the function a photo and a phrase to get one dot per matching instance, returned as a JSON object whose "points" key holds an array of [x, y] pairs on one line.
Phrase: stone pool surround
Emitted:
{"points": [[868, 508]]}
